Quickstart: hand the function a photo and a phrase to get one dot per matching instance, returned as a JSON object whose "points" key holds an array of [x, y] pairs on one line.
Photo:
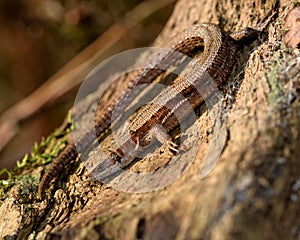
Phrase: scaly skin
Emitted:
{"points": [[184, 43], [164, 113]]}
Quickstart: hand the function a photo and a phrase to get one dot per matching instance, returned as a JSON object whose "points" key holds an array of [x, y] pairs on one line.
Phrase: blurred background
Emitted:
{"points": [[38, 37]]}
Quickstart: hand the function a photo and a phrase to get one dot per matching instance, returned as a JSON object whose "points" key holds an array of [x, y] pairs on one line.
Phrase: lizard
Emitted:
{"points": [[185, 43], [156, 119], [167, 110]]}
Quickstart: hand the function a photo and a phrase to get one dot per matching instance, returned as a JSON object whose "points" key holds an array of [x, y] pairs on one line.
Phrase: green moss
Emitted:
{"points": [[5, 183], [42, 153], [274, 80], [27, 185]]}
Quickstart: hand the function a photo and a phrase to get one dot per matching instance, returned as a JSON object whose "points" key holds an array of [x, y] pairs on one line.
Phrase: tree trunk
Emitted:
{"points": [[252, 191]]}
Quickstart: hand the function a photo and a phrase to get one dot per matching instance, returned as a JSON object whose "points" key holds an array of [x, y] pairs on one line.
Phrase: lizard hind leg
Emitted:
{"points": [[173, 147], [163, 137]]}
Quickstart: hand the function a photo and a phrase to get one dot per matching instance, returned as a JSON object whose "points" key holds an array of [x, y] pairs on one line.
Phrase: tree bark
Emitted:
{"points": [[253, 190]]}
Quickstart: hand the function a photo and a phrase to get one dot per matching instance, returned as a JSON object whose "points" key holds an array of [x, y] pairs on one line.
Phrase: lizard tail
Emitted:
{"points": [[56, 167]]}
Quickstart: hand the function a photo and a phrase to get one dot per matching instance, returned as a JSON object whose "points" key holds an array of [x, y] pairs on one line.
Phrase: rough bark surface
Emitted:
{"points": [[252, 192]]}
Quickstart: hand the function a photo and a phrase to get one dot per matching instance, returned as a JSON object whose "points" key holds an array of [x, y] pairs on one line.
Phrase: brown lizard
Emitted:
{"points": [[158, 118], [185, 43], [166, 111]]}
